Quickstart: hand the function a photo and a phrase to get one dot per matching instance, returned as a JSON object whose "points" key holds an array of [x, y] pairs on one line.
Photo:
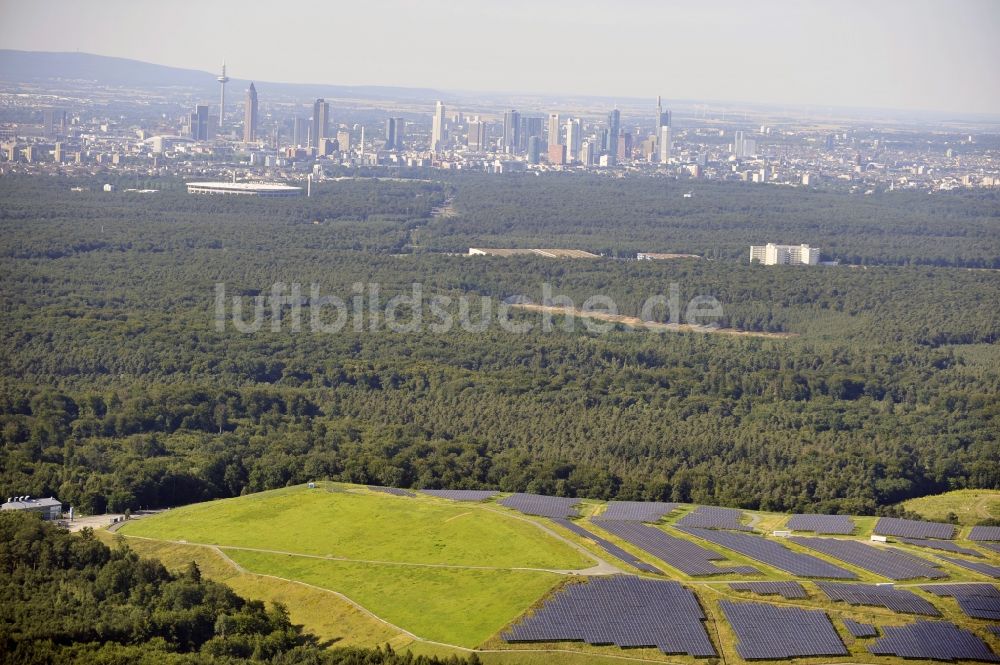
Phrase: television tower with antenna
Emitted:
{"points": [[223, 80]]}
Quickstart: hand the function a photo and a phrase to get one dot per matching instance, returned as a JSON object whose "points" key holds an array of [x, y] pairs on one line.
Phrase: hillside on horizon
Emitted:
{"points": [[40, 66]]}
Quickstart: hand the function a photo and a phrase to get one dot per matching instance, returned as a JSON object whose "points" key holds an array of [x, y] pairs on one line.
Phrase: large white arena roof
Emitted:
{"points": [[245, 188]]}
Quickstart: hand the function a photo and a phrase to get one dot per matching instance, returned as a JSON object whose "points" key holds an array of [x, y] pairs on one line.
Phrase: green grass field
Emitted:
{"points": [[971, 506], [365, 526], [455, 606], [327, 616]]}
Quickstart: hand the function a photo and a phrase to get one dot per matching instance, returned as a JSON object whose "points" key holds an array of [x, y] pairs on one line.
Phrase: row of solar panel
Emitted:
{"points": [[682, 554], [892, 563], [634, 612]]}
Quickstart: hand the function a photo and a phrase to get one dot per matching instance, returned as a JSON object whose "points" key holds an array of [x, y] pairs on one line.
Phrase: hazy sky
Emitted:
{"points": [[917, 54]]}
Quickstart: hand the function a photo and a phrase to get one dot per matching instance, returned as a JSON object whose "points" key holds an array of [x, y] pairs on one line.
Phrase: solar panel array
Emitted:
{"points": [[789, 590], [683, 555], [936, 640], [858, 629], [769, 632], [608, 547], [985, 533], [891, 563], [462, 495], [994, 629], [556, 507], [897, 600], [623, 610], [395, 491], [978, 566], [943, 545], [637, 511], [894, 526], [979, 601], [709, 517], [991, 546], [773, 553], [836, 524]]}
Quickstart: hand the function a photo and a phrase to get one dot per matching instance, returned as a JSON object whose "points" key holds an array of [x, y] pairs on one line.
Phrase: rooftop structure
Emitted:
{"points": [[659, 256], [51, 508], [547, 253], [264, 189]]}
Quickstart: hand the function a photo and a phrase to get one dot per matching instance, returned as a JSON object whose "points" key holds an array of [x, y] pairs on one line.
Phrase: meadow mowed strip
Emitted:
{"points": [[456, 606], [365, 526]]}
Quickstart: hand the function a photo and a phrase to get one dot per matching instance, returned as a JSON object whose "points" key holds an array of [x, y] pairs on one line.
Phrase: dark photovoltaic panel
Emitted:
{"points": [[979, 601], [637, 511], [765, 632], [897, 600], [942, 545], [892, 563], [608, 547], [935, 640], [556, 507], [978, 566], [682, 554], [462, 495], [991, 546], [836, 524], [395, 491], [709, 517], [994, 629], [623, 610], [893, 526], [860, 629], [789, 590], [985, 533], [773, 553]]}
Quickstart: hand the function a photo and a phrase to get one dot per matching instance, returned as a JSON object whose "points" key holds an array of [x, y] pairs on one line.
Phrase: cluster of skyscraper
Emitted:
{"points": [[561, 143]]}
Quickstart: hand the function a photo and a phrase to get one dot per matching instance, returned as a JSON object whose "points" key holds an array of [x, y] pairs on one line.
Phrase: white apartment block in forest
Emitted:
{"points": [[783, 255]]}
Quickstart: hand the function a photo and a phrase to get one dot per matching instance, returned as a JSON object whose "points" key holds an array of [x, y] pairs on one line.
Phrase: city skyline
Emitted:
{"points": [[770, 53]]}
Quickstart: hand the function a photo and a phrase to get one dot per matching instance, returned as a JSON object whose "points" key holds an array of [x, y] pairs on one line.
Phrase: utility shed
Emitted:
{"points": [[51, 508]]}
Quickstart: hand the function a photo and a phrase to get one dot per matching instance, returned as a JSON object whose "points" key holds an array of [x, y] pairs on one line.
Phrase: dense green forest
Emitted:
{"points": [[119, 391], [71, 599]]}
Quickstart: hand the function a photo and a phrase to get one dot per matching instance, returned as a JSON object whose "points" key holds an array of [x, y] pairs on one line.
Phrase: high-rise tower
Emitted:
{"points": [[511, 132], [320, 123], [611, 142], [223, 80], [250, 115], [437, 128], [554, 135]]}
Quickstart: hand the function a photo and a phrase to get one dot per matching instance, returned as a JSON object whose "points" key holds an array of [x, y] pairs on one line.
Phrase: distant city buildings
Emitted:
{"points": [[477, 137], [744, 147], [250, 116], [394, 133], [783, 255]]}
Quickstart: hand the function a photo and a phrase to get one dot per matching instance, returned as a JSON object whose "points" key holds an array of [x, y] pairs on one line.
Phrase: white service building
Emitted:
{"points": [[51, 508], [784, 255]]}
